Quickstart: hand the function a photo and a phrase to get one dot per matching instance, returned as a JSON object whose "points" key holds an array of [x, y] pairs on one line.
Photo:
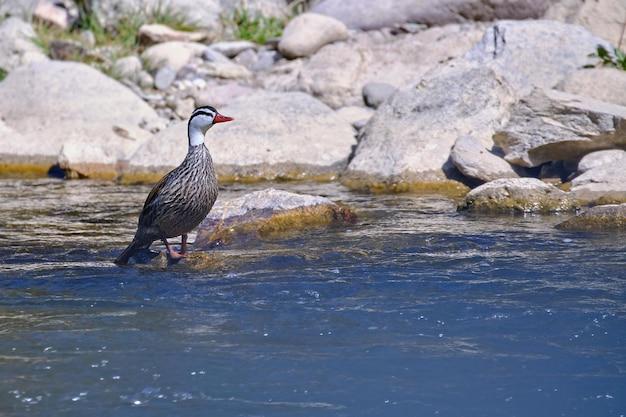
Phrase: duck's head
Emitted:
{"points": [[201, 120]]}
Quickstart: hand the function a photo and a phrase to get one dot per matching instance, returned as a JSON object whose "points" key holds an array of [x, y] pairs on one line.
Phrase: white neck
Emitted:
{"points": [[196, 136]]}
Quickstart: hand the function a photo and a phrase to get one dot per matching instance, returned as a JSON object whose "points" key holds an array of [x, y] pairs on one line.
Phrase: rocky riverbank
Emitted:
{"points": [[518, 107]]}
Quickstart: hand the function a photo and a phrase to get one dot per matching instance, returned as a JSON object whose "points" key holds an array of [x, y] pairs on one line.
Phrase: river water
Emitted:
{"points": [[416, 310]]}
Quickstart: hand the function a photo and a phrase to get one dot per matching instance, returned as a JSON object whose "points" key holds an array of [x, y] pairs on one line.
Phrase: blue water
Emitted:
{"points": [[416, 310]]}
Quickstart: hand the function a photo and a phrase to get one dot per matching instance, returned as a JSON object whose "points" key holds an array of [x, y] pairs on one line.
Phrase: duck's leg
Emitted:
{"points": [[171, 251], [183, 244]]}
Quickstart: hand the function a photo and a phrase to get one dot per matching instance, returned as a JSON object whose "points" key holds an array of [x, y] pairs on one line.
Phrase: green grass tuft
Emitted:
{"points": [[615, 59], [258, 28], [3, 74]]}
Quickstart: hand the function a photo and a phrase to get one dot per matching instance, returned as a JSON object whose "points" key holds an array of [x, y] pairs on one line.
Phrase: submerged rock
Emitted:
{"points": [[521, 195], [274, 136], [268, 213], [552, 125], [53, 103], [308, 32], [606, 217]]}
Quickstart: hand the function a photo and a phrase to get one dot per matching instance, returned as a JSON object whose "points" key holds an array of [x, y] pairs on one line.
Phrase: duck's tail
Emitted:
{"points": [[134, 246]]}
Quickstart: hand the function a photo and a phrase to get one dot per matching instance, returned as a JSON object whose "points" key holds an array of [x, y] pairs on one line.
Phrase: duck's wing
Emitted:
{"points": [[150, 207]]}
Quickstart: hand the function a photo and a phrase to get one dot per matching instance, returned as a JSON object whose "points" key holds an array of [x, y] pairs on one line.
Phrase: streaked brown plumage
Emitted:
{"points": [[182, 198]]}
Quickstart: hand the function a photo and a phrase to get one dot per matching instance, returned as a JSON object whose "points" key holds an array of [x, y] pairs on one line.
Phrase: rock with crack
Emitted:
{"points": [[517, 195], [268, 213], [604, 217], [52, 103], [535, 53], [406, 144], [552, 125], [299, 138]]}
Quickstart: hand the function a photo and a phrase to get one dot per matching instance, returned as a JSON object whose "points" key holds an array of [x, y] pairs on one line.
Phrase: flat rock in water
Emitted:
{"points": [[517, 195], [471, 157], [604, 84], [273, 136], [54, 103], [604, 183], [407, 142], [268, 213], [551, 125], [605, 217], [308, 32]]}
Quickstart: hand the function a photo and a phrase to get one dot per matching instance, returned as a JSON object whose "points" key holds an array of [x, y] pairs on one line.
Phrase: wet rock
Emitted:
{"points": [[157, 33], [604, 84], [164, 77], [59, 13], [374, 94], [268, 213], [356, 116], [127, 68], [16, 44], [600, 158], [337, 73], [233, 48], [52, 103], [471, 157], [299, 138], [407, 142], [520, 195], [308, 32], [537, 53], [172, 54], [552, 125], [376, 14], [602, 184], [603, 18], [605, 217]]}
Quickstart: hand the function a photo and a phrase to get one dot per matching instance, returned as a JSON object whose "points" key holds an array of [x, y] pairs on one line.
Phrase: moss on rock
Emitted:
{"points": [[605, 217]]}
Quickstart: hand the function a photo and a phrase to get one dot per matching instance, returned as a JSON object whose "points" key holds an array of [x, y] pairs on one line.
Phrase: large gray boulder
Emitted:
{"points": [[605, 217], [603, 18], [517, 195], [408, 139], [337, 73], [16, 44], [308, 32], [604, 84], [604, 183], [376, 14], [471, 157], [552, 125], [55, 105], [535, 53], [274, 135], [267, 213]]}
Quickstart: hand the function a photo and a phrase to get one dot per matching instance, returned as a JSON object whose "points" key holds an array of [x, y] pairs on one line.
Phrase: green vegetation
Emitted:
{"points": [[615, 59], [3, 73], [258, 28], [113, 41]]}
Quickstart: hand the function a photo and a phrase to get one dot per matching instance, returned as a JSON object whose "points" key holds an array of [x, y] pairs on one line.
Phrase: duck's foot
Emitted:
{"points": [[175, 255]]}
